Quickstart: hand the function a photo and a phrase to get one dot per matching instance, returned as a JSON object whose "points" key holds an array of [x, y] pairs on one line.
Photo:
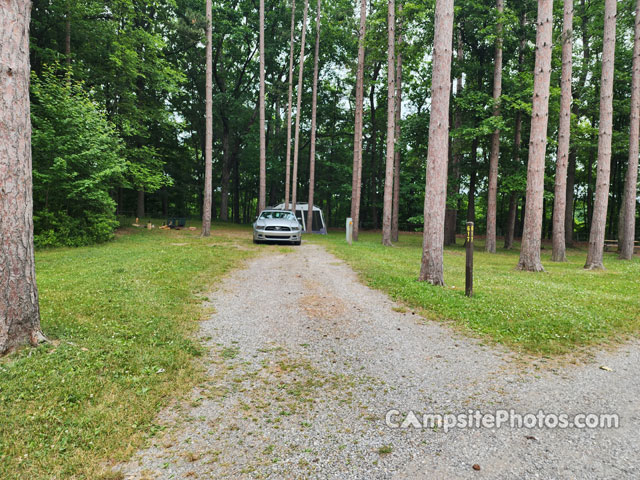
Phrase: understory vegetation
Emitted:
{"points": [[548, 313], [121, 319]]}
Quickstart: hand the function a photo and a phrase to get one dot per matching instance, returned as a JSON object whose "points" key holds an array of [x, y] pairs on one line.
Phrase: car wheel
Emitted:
{"points": [[256, 241], [298, 242]]}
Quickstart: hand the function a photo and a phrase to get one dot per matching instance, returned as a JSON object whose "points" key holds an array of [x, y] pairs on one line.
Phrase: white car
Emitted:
{"points": [[277, 226]]}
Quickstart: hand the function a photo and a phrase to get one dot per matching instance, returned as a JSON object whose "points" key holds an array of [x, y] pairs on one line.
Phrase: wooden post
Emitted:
{"points": [[349, 230], [468, 289]]}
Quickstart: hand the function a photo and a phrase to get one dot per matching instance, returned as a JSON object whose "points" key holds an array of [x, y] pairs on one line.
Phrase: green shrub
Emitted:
{"points": [[76, 162]]}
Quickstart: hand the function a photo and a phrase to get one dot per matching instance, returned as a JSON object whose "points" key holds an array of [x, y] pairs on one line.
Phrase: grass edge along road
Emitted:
{"points": [[121, 319], [555, 312]]}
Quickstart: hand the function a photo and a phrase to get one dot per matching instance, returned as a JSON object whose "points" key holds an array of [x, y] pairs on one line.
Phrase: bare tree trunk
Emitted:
{"points": [[531, 236], [391, 119], [226, 170], [471, 196], [510, 230], [396, 167], [140, 206], [206, 207], [236, 186], [296, 148], [599, 219], [513, 197], [564, 132], [356, 185], [511, 221], [262, 197], [490, 245], [628, 218], [287, 175], [451, 215], [568, 213], [314, 104], [373, 197], [435, 199], [19, 311]]}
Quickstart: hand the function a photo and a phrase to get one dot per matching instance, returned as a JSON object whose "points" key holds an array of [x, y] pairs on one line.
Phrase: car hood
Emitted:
{"points": [[276, 222]]}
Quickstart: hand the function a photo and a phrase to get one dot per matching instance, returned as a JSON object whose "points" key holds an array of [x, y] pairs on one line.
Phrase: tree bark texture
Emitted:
{"points": [[287, 174], [564, 132], [356, 185], [397, 154], [391, 119], [19, 311], [628, 222], [296, 148], [314, 104], [262, 197], [490, 244], [435, 200], [531, 235], [599, 218], [206, 207]]}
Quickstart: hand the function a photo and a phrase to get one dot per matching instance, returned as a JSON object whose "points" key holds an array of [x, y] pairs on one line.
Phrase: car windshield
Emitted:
{"points": [[278, 215]]}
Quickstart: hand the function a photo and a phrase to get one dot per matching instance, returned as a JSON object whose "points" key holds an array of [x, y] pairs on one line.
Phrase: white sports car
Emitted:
{"points": [[277, 226]]}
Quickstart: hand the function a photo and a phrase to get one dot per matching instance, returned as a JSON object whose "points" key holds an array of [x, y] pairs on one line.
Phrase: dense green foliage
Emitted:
{"points": [[77, 159], [120, 319], [555, 312], [143, 63]]}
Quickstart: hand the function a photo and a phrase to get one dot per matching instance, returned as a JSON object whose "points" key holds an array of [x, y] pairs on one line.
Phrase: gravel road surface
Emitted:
{"points": [[306, 362]]}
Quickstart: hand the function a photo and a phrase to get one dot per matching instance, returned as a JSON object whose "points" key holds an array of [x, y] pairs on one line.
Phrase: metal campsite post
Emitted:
{"points": [[468, 288], [349, 230]]}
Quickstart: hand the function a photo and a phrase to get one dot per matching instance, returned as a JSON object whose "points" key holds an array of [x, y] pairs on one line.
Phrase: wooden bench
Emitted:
{"points": [[613, 245]]}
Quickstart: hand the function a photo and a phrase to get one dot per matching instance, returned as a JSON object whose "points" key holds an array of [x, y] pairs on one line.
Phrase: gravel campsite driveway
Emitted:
{"points": [[305, 362]]}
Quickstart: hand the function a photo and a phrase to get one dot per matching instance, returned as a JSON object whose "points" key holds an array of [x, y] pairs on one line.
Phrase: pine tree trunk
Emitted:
{"points": [[513, 197], [226, 171], [510, 230], [435, 200], [451, 215], [599, 218], [140, 206], [296, 148], [396, 167], [471, 196], [568, 214], [531, 236], [356, 186], [19, 311], [564, 132], [262, 197], [391, 119], [490, 245], [373, 197], [208, 149], [287, 175], [314, 103], [511, 221], [628, 217]]}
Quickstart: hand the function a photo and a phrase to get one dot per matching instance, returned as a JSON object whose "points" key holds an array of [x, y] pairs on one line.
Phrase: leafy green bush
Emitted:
{"points": [[76, 162]]}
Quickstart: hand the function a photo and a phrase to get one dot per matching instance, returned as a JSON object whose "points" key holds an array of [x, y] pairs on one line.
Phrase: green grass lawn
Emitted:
{"points": [[121, 318], [545, 313]]}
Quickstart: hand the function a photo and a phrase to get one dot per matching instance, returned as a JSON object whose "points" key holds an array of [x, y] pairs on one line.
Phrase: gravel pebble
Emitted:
{"points": [[305, 362]]}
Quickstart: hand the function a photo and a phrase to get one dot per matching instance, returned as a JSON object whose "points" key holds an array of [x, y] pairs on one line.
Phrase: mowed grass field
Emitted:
{"points": [[547, 313], [121, 318]]}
